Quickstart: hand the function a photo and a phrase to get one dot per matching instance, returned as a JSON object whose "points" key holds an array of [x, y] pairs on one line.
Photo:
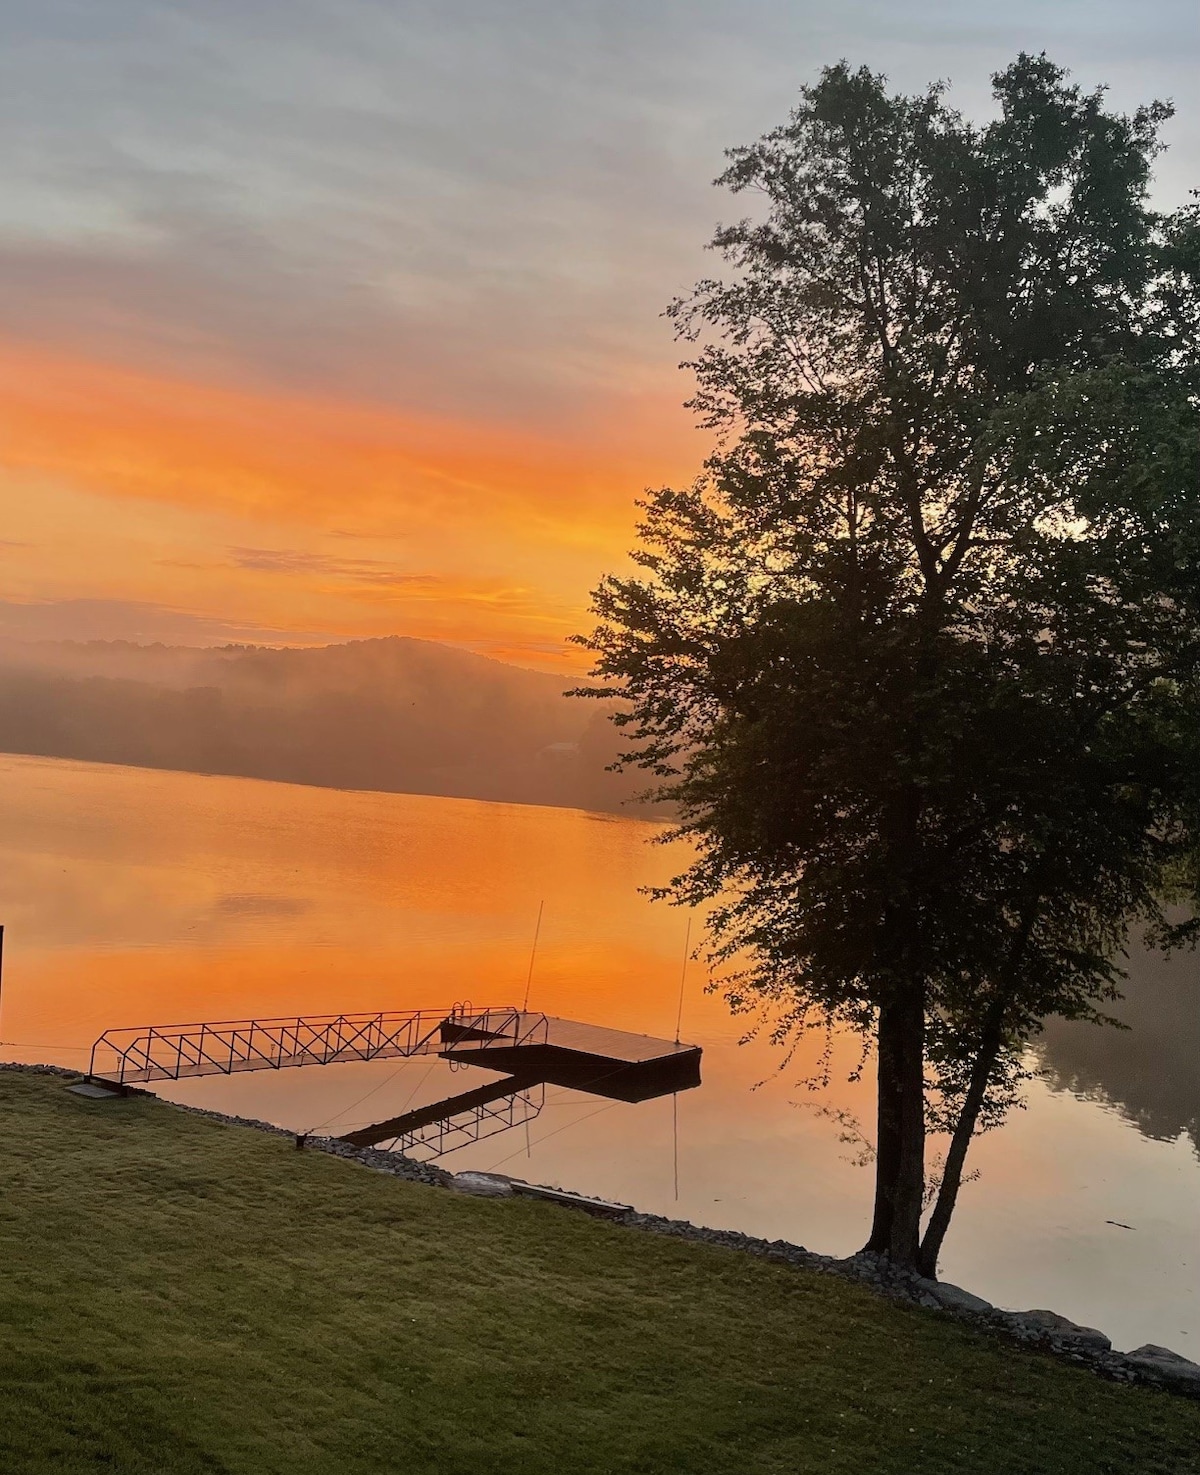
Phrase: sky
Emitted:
{"points": [[329, 319]]}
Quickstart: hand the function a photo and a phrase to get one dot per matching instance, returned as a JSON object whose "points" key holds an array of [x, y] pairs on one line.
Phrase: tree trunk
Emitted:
{"points": [[964, 1130], [887, 1135], [900, 1050], [991, 1038], [900, 1143]]}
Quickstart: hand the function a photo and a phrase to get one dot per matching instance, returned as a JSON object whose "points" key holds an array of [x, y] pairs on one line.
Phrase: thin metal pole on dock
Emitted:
{"points": [[687, 947], [532, 955]]}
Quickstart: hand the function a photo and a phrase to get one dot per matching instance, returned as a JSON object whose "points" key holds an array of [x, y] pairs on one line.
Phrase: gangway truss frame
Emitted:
{"points": [[144, 1053]]}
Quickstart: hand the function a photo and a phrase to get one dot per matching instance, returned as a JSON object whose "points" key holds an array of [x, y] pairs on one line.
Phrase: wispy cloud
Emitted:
{"points": [[370, 571]]}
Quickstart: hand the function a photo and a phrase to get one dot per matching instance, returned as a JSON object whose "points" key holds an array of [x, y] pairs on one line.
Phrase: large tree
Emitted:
{"points": [[918, 656]]}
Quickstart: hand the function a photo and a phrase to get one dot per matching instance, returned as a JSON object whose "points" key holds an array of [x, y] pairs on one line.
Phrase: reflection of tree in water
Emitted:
{"points": [[1150, 1071]]}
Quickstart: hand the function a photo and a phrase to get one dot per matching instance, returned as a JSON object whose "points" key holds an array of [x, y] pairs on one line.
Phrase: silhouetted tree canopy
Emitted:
{"points": [[918, 656]]}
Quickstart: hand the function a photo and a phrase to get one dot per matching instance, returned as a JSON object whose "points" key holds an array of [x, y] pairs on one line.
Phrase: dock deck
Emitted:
{"points": [[586, 1057]]}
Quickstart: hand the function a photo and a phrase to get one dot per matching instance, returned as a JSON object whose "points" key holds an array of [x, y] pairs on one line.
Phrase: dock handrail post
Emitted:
{"points": [[148, 1052]]}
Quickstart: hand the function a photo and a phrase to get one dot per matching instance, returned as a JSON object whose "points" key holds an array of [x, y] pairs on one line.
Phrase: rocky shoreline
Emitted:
{"points": [[1150, 1365]]}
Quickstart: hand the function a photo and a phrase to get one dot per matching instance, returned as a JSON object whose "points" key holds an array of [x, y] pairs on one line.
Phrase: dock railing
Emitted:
{"points": [[144, 1053]]}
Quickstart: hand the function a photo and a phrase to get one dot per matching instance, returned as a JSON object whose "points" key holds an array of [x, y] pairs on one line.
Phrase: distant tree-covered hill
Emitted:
{"points": [[397, 714]]}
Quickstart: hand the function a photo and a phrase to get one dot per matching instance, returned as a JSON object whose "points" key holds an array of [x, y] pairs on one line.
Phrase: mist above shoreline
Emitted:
{"points": [[394, 714]]}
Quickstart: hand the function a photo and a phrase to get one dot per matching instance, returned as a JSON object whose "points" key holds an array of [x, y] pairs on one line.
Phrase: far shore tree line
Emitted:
{"points": [[918, 656]]}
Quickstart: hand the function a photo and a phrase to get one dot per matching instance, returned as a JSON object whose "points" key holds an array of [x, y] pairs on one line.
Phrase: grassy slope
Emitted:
{"points": [[182, 1296]]}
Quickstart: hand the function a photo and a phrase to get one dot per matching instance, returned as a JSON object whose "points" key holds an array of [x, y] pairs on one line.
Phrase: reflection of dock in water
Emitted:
{"points": [[529, 1050]]}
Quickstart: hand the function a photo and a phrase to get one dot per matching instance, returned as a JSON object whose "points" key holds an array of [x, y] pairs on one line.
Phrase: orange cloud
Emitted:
{"points": [[312, 460], [312, 514]]}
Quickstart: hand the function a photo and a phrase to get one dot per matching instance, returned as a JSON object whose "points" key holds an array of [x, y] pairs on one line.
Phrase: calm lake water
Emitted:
{"points": [[131, 896]]}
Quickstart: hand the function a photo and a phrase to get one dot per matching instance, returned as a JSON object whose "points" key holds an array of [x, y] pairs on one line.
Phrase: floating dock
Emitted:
{"points": [[586, 1057], [528, 1050]]}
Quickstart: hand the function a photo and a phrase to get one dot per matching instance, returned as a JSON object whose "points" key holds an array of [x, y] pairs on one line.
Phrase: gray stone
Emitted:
{"points": [[96, 1093], [482, 1185], [1061, 1332], [1168, 1367], [952, 1297], [1164, 1353]]}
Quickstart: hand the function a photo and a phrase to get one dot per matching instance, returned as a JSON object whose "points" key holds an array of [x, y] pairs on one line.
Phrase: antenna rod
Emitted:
{"points": [[532, 956], [687, 947]]}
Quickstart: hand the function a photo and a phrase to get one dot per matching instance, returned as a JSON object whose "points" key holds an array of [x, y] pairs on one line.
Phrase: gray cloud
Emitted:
{"points": [[457, 206]]}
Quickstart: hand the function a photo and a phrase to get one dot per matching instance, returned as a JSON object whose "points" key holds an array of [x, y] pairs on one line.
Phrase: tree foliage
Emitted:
{"points": [[918, 656]]}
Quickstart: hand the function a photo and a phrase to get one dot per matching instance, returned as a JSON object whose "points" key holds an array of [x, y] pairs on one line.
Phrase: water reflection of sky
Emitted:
{"points": [[134, 897]]}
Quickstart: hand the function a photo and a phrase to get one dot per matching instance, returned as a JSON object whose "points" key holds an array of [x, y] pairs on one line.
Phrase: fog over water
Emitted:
{"points": [[140, 896], [397, 714]]}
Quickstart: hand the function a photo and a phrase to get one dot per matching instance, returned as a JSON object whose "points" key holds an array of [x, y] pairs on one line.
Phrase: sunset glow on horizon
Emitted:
{"points": [[328, 322], [296, 519]]}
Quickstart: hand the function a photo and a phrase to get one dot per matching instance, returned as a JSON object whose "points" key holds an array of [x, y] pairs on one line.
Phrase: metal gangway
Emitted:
{"points": [[143, 1053]]}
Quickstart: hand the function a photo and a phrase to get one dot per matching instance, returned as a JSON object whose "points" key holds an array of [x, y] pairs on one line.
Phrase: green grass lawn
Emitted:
{"points": [[180, 1296]]}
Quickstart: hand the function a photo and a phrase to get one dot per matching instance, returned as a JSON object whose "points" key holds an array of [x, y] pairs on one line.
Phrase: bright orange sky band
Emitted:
{"points": [[312, 517]]}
